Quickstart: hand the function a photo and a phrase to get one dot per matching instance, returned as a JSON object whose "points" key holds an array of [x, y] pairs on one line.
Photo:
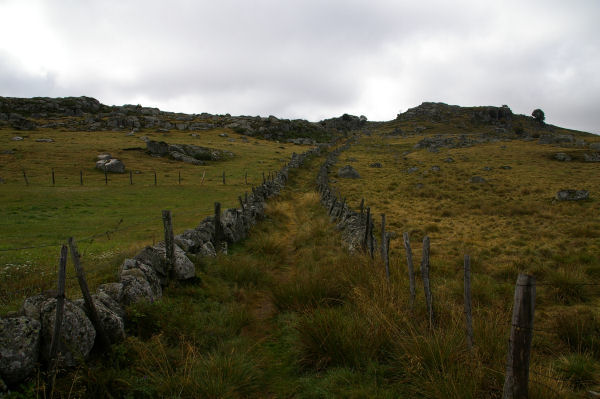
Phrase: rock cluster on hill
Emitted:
{"points": [[186, 153], [85, 113]]}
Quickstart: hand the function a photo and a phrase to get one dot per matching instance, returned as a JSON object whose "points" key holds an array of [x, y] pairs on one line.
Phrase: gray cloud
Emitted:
{"points": [[310, 59]]}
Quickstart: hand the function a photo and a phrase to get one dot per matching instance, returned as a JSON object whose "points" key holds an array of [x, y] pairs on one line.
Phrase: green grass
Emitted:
{"points": [[42, 214]]}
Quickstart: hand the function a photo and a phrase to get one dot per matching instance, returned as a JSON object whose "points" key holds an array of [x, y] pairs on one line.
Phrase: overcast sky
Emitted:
{"points": [[310, 59]]}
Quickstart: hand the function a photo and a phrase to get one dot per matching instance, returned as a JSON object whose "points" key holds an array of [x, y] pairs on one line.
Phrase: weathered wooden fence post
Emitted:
{"points": [[81, 177], [468, 314], [426, 283], [53, 180], [367, 228], [130, 178], [25, 177], [179, 177], [60, 306], [203, 175], [155, 178], [87, 298], [411, 270], [167, 218], [516, 383], [242, 203], [218, 226], [223, 177]]}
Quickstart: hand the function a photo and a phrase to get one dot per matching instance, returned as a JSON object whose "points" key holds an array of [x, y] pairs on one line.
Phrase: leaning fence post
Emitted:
{"points": [[203, 175], [167, 218], [60, 305], [25, 177], [468, 314], [519, 349], [87, 298], [425, 277], [411, 270]]}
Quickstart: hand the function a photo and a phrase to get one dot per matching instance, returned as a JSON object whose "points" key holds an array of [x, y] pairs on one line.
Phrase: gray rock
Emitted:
{"points": [[572, 195], [155, 257], [178, 156], [208, 249], [561, 156], [506, 167], [149, 273], [435, 168], [135, 287], [375, 165], [113, 290], [593, 157], [348, 172], [112, 165], [478, 179], [44, 141], [17, 138], [223, 135], [449, 160], [19, 348], [412, 169], [77, 333], [595, 146], [486, 168], [104, 157], [109, 302], [111, 322], [32, 306]]}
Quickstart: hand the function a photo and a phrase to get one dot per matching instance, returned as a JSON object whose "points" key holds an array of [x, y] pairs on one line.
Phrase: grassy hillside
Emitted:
{"points": [[41, 214]]}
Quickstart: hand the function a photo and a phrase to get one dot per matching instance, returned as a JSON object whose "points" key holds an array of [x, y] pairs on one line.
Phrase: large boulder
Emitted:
{"points": [[155, 257], [572, 195], [135, 287], [19, 348], [112, 165], [112, 323], [348, 172], [77, 333], [32, 306], [593, 157], [149, 273]]}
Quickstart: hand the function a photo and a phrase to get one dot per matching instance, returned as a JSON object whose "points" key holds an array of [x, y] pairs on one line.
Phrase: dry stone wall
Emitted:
{"points": [[25, 337]]}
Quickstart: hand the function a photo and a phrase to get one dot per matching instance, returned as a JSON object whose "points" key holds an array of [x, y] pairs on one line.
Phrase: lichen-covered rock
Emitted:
{"points": [[32, 306], [112, 165], [109, 302], [113, 290], [593, 157], [478, 180], [233, 225], [111, 322], [135, 287], [19, 348], [155, 257], [572, 195], [348, 172], [77, 333], [208, 249], [151, 276], [562, 157]]}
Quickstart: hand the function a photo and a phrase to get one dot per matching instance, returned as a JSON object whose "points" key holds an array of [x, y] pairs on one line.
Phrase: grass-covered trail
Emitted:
{"points": [[290, 314]]}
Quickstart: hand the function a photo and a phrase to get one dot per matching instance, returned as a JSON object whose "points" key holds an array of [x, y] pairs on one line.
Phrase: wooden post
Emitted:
{"points": [[53, 181], [367, 228], [167, 218], [87, 298], [179, 177], [130, 178], [60, 306], [223, 177], [362, 205], [81, 177], [203, 174], [155, 178], [25, 177], [519, 349], [218, 226], [411, 270], [246, 178], [425, 277], [386, 258], [468, 314], [105, 175], [383, 236]]}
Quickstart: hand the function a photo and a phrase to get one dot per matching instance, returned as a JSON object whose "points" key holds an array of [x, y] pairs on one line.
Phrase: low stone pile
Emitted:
{"points": [[25, 337], [353, 225], [193, 154]]}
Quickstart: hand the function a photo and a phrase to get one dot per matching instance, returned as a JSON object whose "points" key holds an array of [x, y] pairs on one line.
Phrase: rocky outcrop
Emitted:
{"points": [[193, 154]]}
